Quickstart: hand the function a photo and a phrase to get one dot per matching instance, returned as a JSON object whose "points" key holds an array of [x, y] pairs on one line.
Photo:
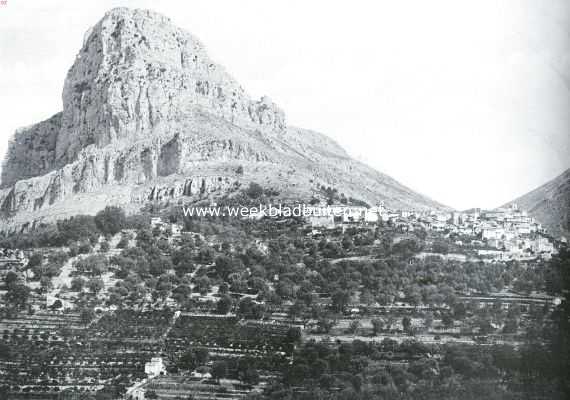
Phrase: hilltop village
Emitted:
{"points": [[368, 302], [492, 235]]}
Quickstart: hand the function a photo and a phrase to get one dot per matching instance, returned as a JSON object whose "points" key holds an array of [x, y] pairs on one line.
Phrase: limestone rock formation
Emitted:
{"points": [[32, 151], [147, 115]]}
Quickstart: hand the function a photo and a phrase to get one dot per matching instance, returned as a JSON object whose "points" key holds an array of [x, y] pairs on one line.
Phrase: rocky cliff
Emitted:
{"points": [[147, 115], [32, 151]]}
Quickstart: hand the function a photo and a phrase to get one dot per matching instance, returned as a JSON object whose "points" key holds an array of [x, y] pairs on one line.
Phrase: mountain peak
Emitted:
{"points": [[135, 72]]}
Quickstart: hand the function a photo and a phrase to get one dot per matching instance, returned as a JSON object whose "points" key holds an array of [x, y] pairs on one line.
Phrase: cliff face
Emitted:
{"points": [[32, 151], [148, 115], [135, 77]]}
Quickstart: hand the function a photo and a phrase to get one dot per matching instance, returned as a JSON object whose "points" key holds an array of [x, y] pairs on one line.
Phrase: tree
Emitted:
{"points": [[106, 394], [77, 284], [296, 310], [219, 370], [17, 295], [56, 305], [203, 284], [347, 243], [181, 293], [248, 308], [86, 316], [150, 394], [206, 255], [35, 260], [84, 247], [485, 326], [124, 242], [223, 266], [159, 265], [45, 283], [353, 326], [413, 295], [406, 323], [447, 320], [95, 285], [511, 326], [428, 322], [184, 267], [11, 278], [192, 359], [104, 247], [239, 170], [5, 351], [366, 297], [224, 304], [377, 325], [440, 247], [285, 289], [77, 228], [254, 190], [293, 335], [223, 288], [250, 376], [340, 300], [325, 324], [110, 220]]}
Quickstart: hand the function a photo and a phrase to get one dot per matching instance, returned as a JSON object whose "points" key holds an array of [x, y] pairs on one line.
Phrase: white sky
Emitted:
{"points": [[466, 102]]}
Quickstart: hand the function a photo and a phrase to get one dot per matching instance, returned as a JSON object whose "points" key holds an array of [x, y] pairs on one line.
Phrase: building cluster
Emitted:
{"points": [[504, 233], [173, 229]]}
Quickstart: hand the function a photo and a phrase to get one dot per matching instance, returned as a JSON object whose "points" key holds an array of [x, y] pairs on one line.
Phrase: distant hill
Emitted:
{"points": [[550, 204]]}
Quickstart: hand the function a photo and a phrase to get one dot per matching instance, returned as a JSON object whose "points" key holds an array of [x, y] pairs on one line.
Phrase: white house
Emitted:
{"points": [[154, 367], [371, 215], [176, 230], [326, 221], [353, 214], [154, 221]]}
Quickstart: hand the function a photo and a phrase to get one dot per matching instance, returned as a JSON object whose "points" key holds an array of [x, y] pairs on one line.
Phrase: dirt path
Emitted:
{"points": [[64, 278]]}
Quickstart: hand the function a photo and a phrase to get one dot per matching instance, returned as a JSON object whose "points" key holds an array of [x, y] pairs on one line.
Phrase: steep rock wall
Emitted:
{"points": [[31, 152], [137, 75], [138, 164]]}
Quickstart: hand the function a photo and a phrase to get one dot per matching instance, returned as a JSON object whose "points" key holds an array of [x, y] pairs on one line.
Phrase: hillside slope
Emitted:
{"points": [[550, 204]]}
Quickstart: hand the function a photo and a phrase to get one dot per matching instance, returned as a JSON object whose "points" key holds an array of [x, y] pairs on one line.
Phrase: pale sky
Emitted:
{"points": [[465, 102]]}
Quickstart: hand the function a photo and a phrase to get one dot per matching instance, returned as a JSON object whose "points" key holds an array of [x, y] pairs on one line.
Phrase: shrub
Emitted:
{"points": [[123, 243], [254, 190], [84, 248], [224, 305], [105, 247], [35, 260]]}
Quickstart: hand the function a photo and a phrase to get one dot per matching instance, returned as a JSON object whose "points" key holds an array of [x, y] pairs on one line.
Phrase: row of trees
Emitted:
{"points": [[79, 228]]}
